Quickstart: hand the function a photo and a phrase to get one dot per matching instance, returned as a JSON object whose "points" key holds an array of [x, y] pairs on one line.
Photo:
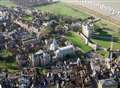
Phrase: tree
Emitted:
{"points": [[59, 29], [45, 31]]}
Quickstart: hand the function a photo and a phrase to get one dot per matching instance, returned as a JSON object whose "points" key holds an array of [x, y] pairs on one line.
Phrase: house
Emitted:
{"points": [[24, 82], [2, 41], [76, 25], [107, 83], [22, 60], [40, 58], [65, 51]]}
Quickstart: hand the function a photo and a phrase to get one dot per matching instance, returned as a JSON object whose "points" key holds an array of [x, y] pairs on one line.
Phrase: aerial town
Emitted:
{"points": [[41, 49]]}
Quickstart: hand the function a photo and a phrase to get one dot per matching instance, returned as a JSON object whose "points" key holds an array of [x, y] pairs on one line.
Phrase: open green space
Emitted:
{"points": [[28, 18], [5, 53], [10, 66], [105, 44], [112, 29], [65, 10], [105, 28], [105, 54], [7, 3], [62, 9], [7, 61], [78, 41]]}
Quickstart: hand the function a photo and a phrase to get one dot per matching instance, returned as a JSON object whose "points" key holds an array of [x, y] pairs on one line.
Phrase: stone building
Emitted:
{"points": [[65, 51], [54, 45], [2, 41], [40, 58], [87, 29]]}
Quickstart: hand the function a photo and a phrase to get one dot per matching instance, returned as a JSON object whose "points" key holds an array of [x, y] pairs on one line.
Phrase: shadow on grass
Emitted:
{"points": [[8, 63], [102, 34], [9, 59]]}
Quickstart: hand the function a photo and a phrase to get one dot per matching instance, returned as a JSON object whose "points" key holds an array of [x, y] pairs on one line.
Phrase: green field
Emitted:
{"points": [[11, 67], [6, 3], [5, 53], [7, 61], [62, 9], [65, 10], [107, 28], [28, 18], [78, 41]]}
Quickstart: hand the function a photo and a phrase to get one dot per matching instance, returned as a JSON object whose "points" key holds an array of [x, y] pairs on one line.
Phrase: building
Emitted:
{"points": [[107, 83], [31, 2], [54, 45], [87, 29], [65, 51], [24, 82], [40, 58], [2, 41]]}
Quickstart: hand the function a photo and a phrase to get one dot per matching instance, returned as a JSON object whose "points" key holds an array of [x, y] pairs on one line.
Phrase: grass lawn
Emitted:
{"points": [[7, 3], [5, 53], [12, 67], [105, 54], [108, 28], [65, 10], [28, 18], [62, 9], [77, 40], [7, 61], [116, 45], [105, 44], [112, 29]]}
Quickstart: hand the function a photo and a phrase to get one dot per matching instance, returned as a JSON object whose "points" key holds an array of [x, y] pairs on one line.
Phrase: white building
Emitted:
{"points": [[64, 51], [87, 29], [54, 45]]}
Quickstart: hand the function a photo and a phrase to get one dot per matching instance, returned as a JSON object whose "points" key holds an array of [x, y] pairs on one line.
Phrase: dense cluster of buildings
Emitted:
{"points": [[40, 45]]}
